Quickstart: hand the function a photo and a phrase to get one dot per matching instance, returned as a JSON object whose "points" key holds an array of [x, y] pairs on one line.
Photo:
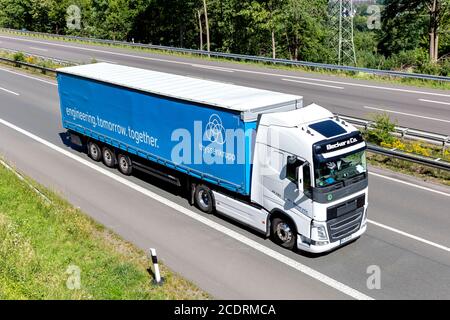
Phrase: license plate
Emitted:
{"points": [[346, 239]]}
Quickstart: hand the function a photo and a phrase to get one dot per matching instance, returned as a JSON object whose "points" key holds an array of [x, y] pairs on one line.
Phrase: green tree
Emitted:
{"points": [[408, 24], [305, 32], [16, 14]]}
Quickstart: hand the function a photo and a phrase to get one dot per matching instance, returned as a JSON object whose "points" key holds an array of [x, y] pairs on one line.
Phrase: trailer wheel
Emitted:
{"points": [[283, 232], [203, 198], [125, 165], [94, 151], [109, 157]]}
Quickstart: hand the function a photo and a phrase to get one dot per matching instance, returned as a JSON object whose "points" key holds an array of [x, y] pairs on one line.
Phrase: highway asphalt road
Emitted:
{"points": [[407, 236], [418, 108]]}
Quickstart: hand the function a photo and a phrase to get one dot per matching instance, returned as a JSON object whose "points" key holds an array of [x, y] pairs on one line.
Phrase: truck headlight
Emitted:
{"points": [[318, 232]]}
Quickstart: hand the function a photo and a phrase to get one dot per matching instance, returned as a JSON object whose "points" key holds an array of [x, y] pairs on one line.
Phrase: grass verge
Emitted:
{"points": [[354, 75], [31, 59], [42, 247], [419, 171], [381, 134]]}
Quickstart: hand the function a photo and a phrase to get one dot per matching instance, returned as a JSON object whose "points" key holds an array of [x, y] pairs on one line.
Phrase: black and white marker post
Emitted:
{"points": [[158, 280]]}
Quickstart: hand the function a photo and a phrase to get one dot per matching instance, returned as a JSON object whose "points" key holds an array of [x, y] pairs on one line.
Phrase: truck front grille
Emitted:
{"points": [[345, 225], [345, 207]]}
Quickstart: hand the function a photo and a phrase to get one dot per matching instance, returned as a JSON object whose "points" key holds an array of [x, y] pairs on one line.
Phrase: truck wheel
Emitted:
{"points": [[124, 164], [283, 233], [109, 157], [94, 151], [203, 198]]}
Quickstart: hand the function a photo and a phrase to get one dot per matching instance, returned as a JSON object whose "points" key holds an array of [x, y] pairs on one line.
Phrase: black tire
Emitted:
{"points": [[94, 151], [204, 199], [109, 157], [284, 232], [124, 164]]}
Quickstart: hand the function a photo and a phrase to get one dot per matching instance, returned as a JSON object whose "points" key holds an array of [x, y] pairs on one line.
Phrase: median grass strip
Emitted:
{"points": [[54, 251], [381, 135]]}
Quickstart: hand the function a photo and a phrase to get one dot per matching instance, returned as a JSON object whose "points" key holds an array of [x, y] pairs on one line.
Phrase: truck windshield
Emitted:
{"points": [[348, 166]]}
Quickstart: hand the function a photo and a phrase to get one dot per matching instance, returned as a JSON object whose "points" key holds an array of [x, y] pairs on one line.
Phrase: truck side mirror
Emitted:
{"points": [[299, 174]]}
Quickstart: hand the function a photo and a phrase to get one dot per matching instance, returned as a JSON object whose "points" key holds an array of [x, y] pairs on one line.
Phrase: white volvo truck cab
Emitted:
{"points": [[310, 176]]}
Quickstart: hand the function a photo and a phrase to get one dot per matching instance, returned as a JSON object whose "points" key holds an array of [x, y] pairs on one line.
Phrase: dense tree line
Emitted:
{"points": [[412, 33]]}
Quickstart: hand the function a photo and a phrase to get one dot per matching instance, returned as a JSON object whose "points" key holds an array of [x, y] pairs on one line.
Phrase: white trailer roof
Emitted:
{"points": [[249, 101]]}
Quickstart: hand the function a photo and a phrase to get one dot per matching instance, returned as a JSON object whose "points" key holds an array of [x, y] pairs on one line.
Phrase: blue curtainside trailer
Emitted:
{"points": [[206, 141]]}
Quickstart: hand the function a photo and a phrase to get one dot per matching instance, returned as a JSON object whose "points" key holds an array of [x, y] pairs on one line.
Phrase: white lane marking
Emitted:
{"points": [[40, 49], [9, 91], [408, 235], [346, 83], [237, 70], [108, 61], [233, 234], [29, 77], [212, 68], [407, 114], [314, 84], [438, 102], [411, 184]]}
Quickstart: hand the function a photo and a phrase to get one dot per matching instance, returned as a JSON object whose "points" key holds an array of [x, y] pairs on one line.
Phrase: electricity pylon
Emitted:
{"points": [[341, 17]]}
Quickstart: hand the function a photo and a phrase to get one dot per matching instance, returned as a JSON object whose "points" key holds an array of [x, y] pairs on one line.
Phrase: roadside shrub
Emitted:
{"points": [[406, 60], [446, 155], [382, 131], [417, 148], [445, 68], [430, 68], [30, 60], [396, 144], [19, 57]]}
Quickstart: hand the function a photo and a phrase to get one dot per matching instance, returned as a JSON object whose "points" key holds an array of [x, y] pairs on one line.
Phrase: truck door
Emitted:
{"points": [[296, 200], [273, 185]]}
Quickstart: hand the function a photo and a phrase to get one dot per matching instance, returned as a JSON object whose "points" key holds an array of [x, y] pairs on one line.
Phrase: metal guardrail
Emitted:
{"points": [[402, 132], [239, 56], [21, 63], [55, 60], [435, 163]]}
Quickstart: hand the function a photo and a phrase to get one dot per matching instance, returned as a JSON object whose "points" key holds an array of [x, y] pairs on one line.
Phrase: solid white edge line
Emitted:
{"points": [[433, 101], [314, 84], [406, 114], [214, 225], [408, 235], [9, 91], [237, 70], [410, 184], [18, 175]]}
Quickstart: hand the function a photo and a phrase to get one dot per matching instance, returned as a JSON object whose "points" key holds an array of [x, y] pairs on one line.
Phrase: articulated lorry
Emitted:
{"points": [[295, 173]]}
